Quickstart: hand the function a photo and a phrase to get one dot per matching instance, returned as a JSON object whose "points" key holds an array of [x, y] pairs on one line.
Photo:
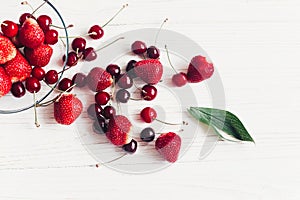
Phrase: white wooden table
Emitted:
{"points": [[255, 45]]}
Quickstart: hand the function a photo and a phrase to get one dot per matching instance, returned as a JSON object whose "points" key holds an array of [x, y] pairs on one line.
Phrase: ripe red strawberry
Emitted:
{"points": [[7, 50], [150, 70], [199, 69], [98, 79], [30, 34], [5, 83], [67, 109], [168, 145], [18, 68], [40, 56], [118, 130]]}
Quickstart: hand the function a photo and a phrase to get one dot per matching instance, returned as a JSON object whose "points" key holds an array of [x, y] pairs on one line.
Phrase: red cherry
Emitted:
{"points": [[79, 79], [148, 115], [123, 96], [51, 77], [24, 16], [38, 72], [153, 52], [96, 32], [9, 29], [124, 81], [44, 22], [51, 37], [78, 44], [89, 54], [94, 110], [149, 92], [102, 98], [109, 112], [32, 85], [65, 84], [114, 70], [138, 47], [18, 89], [72, 59], [179, 79]]}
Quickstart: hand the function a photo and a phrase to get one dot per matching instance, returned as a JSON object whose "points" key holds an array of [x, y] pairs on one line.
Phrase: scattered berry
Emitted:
{"points": [[94, 110], [179, 79], [109, 112], [40, 56], [9, 29], [7, 50], [114, 70], [148, 114], [138, 47], [149, 71], [78, 44], [79, 79], [65, 84], [96, 32], [98, 79], [51, 77], [5, 82], [30, 34], [153, 52], [130, 147], [130, 69], [199, 69], [147, 135], [89, 54], [51, 37], [168, 145], [72, 59], [44, 22], [102, 98], [118, 131], [38, 72], [100, 126], [148, 92], [124, 81], [18, 89], [123, 96], [32, 85]]}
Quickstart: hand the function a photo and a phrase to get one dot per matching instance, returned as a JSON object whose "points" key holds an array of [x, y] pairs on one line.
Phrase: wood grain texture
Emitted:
{"points": [[255, 46]]}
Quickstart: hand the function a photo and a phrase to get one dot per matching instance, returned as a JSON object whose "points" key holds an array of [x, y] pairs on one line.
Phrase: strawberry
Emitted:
{"points": [[168, 145], [150, 70], [5, 83], [30, 34], [40, 56], [118, 128], [7, 50], [18, 68], [67, 109], [199, 69], [98, 79]]}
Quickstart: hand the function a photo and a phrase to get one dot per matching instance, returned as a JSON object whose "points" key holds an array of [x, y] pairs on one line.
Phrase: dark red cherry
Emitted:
{"points": [[180, 79], [123, 96], [51, 77], [79, 79], [9, 29], [18, 89], [130, 68], [100, 126], [72, 59], [148, 114], [147, 135], [153, 52], [44, 22], [94, 110], [78, 44], [96, 32], [102, 98], [131, 147], [32, 85], [51, 37], [138, 47], [124, 81], [89, 54], [38, 72], [65, 84], [109, 112], [148, 92], [114, 70], [24, 16]]}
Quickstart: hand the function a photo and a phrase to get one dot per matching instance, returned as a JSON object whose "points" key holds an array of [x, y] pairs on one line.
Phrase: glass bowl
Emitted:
{"points": [[12, 10]]}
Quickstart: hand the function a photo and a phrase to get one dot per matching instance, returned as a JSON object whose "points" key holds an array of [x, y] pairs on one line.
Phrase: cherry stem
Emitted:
{"points": [[169, 59], [135, 99], [27, 4], [113, 160], [116, 40], [181, 130], [123, 7], [4, 24], [158, 32], [45, 1], [173, 124], [35, 113], [134, 84], [59, 27], [73, 36]]}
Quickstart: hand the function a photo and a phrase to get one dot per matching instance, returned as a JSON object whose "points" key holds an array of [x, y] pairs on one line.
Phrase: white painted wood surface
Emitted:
{"points": [[256, 48]]}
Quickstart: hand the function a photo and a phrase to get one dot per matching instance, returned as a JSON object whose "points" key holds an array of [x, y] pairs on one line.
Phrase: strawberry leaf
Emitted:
{"points": [[221, 120]]}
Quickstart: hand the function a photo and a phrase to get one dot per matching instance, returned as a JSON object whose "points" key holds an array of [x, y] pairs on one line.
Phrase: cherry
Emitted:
{"points": [[78, 44], [114, 70], [32, 85], [72, 59], [148, 114], [149, 92], [131, 147], [123, 96], [100, 126], [9, 28], [179, 79], [124, 81], [109, 112], [51, 37], [89, 54], [18, 89], [44, 22], [138, 47], [102, 98], [79, 79], [130, 69], [38, 72], [94, 110], [51, 77], [24, 16], [65, 84], [147, 135], [96, 32], [153, 52]]}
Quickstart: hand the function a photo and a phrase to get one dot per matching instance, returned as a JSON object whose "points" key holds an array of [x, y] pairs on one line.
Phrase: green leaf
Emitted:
{"points": [[221, 120]]}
